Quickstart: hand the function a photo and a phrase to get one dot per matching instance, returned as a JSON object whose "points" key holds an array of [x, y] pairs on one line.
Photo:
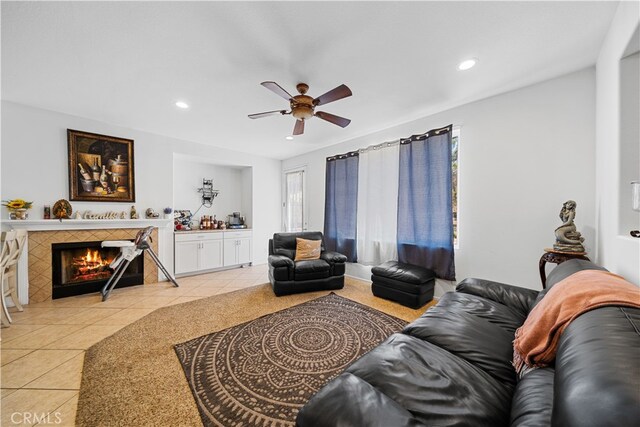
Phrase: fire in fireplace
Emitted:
{"points": [[83, 267], [94, 265]]}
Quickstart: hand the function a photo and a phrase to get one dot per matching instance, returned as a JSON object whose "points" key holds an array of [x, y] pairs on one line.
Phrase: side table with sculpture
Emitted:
{"points": [[568, 243]]}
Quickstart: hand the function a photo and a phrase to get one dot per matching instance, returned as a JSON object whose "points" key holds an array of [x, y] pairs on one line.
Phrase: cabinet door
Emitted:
{"points": [[210, 254], [244, 251], [230, 252], [186, 257]]}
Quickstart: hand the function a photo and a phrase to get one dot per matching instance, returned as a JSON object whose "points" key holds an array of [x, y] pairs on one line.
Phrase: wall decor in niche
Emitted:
{"points": [[100, 168]]}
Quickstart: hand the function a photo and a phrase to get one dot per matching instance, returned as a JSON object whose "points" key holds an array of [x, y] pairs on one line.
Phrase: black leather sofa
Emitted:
{"points": [[452, 366], [290, 277]]}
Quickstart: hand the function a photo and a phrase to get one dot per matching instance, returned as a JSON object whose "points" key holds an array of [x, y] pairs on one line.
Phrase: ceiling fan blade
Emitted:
{"points": [[298, 129], [331, 118], [277, 89], [340, 92], [267, 113]]}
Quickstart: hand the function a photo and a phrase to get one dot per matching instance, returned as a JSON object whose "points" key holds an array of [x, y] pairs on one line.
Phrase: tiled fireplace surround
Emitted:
{"points": [[40, 274]]}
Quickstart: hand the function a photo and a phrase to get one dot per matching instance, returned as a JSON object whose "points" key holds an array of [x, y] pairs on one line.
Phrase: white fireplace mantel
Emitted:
{"points": [[84, 224], [32, 225]]}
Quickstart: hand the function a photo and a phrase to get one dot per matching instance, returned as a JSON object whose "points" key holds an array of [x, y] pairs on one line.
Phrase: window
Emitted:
{"points": [[455, 140], [294, 201]]}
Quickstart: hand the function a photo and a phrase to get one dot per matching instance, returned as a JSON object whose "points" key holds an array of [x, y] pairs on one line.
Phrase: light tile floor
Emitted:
{"points": [[42, 352]]}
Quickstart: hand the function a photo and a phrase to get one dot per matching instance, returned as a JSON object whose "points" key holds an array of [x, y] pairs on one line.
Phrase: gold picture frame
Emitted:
{"points": [[101, 168]]}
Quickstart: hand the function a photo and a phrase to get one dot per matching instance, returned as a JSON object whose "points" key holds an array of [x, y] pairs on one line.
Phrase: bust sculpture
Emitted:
{"points": [[568, 238]]}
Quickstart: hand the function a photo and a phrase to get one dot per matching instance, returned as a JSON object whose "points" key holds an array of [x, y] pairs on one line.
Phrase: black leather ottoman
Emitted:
{"points": [[407, 284]]}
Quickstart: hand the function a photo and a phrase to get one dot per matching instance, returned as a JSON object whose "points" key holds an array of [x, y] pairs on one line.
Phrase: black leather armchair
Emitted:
{"points": [[290, 277]]}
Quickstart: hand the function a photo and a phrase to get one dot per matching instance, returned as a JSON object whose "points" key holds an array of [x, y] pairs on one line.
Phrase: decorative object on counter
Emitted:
{"points": [[222, 225], [167, 212], [208, 193], [182, 220], [133, 214], [236, 221], [100, 167], [62, 209], [151, 214], [47, 212], [77, 216], [568, 238], [17, 208]]}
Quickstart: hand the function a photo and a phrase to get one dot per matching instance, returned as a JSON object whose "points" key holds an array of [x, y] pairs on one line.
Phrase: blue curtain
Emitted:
{"points": [[340, 206], [425, 220]]}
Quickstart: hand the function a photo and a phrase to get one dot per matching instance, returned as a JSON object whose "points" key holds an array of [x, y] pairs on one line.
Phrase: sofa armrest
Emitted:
{"points": [[280, 261], [518, 298], [333, 257]]}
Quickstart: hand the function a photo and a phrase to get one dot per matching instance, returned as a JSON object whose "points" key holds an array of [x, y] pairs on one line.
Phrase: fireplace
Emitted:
{"points": [[83, 267]]}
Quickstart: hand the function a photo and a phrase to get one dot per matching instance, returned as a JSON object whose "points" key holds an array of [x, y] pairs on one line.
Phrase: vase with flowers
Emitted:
{"points": [[17, 208], [167, 213]]}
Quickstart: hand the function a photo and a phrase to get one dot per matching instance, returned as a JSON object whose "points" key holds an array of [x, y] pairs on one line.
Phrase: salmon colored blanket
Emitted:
{"points": [[537, 339]]}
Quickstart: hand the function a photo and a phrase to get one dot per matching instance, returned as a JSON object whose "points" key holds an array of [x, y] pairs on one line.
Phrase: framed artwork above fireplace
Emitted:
{"points": [[101, 168]]}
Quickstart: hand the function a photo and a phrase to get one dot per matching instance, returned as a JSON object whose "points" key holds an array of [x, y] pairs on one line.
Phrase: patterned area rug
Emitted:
{"points": [[263, 371]]}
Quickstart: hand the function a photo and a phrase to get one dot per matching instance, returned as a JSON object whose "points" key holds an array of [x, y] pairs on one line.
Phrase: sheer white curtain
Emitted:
{"points": [[378, 204], [294, 201]]}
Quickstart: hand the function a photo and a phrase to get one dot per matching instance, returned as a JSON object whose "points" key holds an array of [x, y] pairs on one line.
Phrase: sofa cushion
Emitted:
{"points": [[533, 399], [404, 272], [311, 269], [436, 386], [350, 401], [474, 338]]}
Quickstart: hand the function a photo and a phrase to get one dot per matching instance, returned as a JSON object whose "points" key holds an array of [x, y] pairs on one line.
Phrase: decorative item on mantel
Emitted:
{"points": [[105, 215], [151, 214], [62, 209], [568, 238], [167, 213], [133, 214], [17, 208]]}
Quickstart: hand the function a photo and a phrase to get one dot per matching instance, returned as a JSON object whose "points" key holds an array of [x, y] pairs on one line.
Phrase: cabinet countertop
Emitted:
{"points": [[210, 231]]}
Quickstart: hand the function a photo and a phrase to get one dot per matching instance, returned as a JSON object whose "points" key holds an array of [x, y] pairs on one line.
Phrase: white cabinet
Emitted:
{"points": [[186, 257], [195, 252], [211, 254], [198, 251], [237, 247]]}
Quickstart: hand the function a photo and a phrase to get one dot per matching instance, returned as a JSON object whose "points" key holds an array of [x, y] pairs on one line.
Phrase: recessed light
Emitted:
{"points": [[289, 138], [182, 104], [468, 63]]}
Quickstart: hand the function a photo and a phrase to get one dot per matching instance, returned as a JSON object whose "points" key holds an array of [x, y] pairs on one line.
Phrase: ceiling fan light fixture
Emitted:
{"points": [[303, 106], [181, 104], [467, 64]]}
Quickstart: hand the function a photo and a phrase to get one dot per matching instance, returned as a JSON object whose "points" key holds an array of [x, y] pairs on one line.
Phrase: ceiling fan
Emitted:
{"points": [[303, 106]]}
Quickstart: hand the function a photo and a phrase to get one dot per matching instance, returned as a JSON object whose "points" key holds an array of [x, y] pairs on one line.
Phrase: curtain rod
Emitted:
{"points": [[412, 138]]}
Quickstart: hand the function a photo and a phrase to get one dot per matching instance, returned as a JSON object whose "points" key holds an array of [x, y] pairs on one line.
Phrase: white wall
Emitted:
{"points": [[522, 154], [188, 175], [34, 167], [617, 252]]}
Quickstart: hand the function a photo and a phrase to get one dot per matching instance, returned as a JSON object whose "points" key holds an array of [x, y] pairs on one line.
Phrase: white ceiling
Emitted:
{"points": [[127, 63]]}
